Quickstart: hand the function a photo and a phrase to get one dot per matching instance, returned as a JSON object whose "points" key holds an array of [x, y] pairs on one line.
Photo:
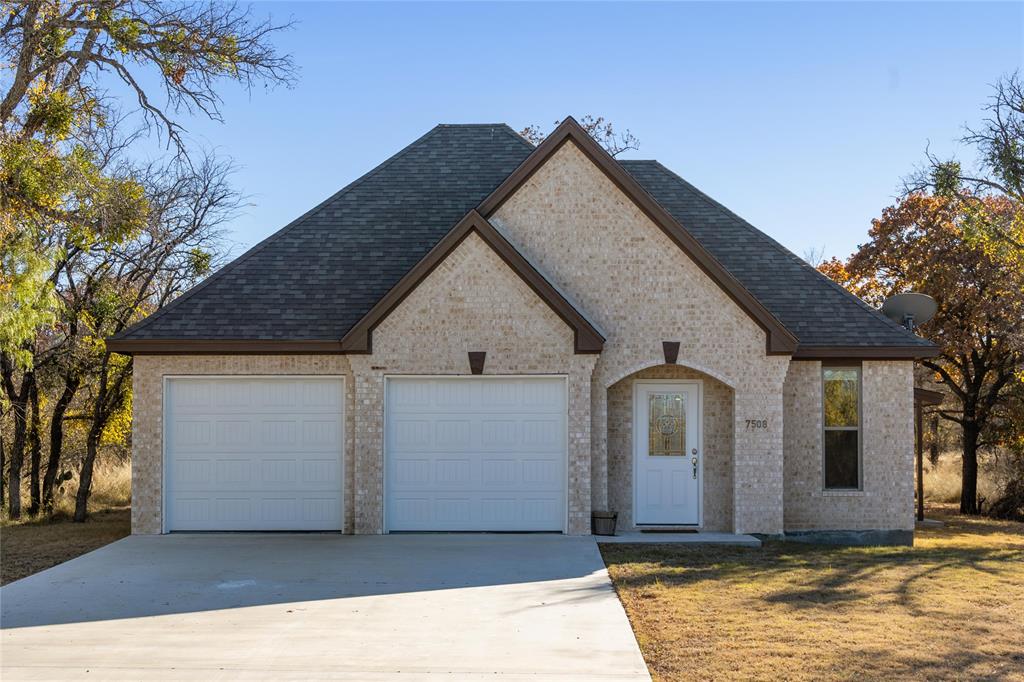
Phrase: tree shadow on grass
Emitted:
{"points": [[840, 612], [825, 575]]}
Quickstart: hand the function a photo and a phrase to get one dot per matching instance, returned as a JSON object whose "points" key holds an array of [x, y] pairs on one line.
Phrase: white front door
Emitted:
{"points": [[484, 453], [666, 437]]}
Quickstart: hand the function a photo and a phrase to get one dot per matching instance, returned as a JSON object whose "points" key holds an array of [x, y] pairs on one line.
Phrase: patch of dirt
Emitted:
{"points": [[33, 546]]}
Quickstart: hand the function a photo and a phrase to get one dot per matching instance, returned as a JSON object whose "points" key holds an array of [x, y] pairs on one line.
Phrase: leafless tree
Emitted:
{"points": [[814, 255], [190, 205], [601, 130], [999, 170], [188, 46]]}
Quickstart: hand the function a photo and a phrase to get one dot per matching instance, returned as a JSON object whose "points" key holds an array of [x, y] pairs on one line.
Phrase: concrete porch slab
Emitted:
{"points": [[637, 537]]}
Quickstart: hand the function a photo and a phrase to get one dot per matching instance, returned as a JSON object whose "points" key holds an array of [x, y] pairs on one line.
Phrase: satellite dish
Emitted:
{"points": [[910, 309]]}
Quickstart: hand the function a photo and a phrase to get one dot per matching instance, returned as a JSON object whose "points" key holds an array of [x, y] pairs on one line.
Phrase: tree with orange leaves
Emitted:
{"points": [[926, 243]]}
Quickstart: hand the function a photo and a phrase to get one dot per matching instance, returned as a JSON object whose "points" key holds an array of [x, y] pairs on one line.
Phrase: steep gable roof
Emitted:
{"points": [[587, 339], [305, 287], [779, 339]]}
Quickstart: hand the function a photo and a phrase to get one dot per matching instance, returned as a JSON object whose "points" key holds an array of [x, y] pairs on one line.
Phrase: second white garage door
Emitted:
{"points": [[475, 454]]}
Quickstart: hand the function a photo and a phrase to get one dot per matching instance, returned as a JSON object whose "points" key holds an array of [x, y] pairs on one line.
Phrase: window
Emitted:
{"points": [[842, 427], [666, 428]]}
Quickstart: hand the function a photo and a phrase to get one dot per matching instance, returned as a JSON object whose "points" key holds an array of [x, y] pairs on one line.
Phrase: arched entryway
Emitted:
{"points": [[716, 451]]}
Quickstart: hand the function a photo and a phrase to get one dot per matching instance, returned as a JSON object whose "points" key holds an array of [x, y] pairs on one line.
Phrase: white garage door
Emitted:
{"points": [[254, 453], [472, 454]]}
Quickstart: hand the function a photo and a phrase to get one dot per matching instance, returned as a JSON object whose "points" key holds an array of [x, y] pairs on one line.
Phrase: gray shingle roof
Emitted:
{"points": [[315, 278], [813, 307]]}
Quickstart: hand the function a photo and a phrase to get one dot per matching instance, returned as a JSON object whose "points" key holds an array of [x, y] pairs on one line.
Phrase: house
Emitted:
{"points": [[480, 335]]}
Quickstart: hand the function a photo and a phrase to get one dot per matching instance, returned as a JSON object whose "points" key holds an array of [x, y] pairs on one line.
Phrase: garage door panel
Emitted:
{"points": [[264, 455], [256, 512], [214, 472], [477, 511], [543, 396], [453, 434], [475, 454], [320, 435]]}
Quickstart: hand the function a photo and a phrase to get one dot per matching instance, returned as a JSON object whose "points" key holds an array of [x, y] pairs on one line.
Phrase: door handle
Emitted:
{"points": [[695, 468]]}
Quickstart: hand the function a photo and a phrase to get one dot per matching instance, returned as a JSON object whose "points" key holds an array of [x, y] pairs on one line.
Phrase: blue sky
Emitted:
{"points": [[802, 118]]}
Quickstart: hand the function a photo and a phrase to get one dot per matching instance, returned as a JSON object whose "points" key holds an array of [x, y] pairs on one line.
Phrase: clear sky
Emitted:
{"points": [[802, 118]]}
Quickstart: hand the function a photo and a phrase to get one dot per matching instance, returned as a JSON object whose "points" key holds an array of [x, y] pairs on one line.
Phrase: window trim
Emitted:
{"points": [[858, 368]]}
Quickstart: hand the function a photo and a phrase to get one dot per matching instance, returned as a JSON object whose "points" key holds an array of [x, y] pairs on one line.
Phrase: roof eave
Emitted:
{"points": [[215, 346], [909, 352]]}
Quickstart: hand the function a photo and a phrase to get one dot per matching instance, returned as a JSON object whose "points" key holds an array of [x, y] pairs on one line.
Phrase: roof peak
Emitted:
{"points": [[473, 125]]}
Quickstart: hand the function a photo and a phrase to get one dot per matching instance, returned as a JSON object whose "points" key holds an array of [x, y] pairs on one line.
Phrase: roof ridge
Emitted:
{"points": [[519, 138], [789, 254], [269, 239], [470, 125]]}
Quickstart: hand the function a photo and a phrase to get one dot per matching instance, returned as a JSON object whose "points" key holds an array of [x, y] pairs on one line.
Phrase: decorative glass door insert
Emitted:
{"points": [[666, 424]]}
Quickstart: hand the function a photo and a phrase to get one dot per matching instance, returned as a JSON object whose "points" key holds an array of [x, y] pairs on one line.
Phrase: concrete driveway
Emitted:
{"points": [[276, 606]]}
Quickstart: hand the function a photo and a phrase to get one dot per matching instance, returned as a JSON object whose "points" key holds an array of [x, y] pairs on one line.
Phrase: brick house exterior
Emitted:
{"points": [[562, 263]]}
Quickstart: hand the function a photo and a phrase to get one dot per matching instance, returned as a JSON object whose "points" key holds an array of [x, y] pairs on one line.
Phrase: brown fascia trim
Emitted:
{"points": [[925, 396], [865, 352], [212, 346], [359, 339], [842, 362], [780, 341]]}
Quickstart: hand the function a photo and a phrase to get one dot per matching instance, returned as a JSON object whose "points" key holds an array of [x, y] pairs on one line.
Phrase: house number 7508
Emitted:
{"points": [[757, 423]]}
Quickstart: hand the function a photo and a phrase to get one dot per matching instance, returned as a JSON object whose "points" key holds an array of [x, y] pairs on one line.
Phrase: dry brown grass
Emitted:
{"points": [[29, 545], [942, 481], [32, 546], [111, 489], [951, 607]]}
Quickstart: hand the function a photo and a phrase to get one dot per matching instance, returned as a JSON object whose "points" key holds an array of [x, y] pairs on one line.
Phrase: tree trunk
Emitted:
{"points": [[71, 384], [19, 410], [85, 475], [933, 452], [35, 452], [919, 434], [3, 464], [108, 399], [969, 483]]}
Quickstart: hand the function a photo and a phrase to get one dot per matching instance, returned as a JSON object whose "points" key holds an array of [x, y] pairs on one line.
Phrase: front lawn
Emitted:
{"points": [[951, 607], [31, 546]]}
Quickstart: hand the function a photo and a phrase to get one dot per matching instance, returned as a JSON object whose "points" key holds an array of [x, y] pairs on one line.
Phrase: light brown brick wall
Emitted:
{"points": [[638, 286], [148, 374], [718, 446], [641, 289], [472, 302], [887, 499]]}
